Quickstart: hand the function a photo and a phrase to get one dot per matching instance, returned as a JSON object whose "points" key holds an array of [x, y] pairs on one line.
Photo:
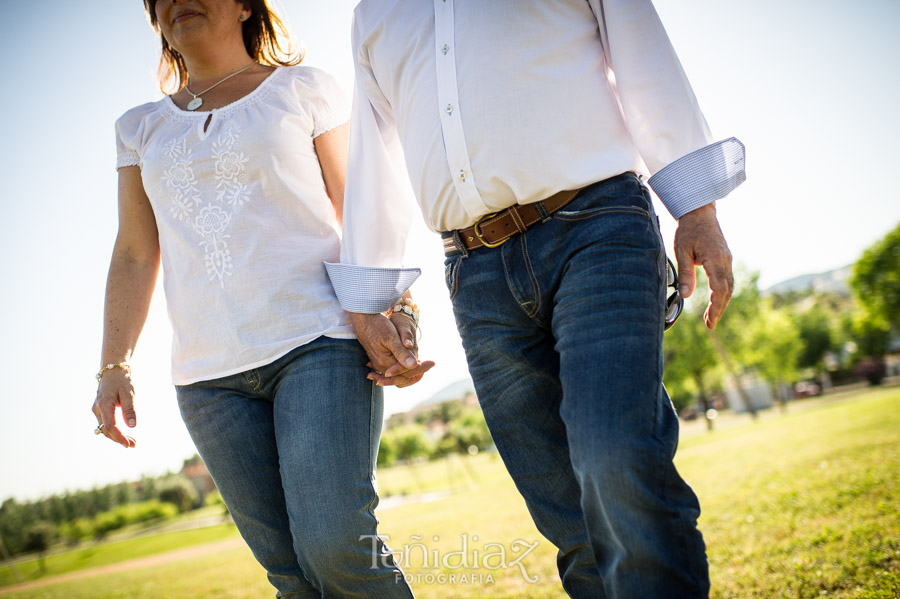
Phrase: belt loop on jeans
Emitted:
{"points": [[495, 229], [542, 210], [459, 244]]}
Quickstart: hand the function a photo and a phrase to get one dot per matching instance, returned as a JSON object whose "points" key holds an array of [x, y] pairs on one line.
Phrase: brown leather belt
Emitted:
{"points": [[497, 228]]}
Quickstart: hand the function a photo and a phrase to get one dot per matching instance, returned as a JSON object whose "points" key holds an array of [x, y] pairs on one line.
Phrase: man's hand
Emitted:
{"points": [[699, 241], [391, 347]]}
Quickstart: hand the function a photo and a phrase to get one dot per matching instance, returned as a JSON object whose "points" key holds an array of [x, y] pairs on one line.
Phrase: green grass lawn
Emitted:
{"points": [[101, 554], [806, 504], [800, 505]]}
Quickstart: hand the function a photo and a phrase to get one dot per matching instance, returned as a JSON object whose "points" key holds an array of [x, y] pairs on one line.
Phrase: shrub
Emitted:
{"points": [[871, 369], [77, 530], [122, 516], [468, 431], [214, 498], [150, 510], [387, 453], [408, 442], [109, 521], [39, 536], [181, 494]]}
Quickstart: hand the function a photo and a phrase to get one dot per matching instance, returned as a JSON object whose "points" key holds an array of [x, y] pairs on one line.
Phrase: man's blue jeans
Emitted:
{"points": [[562, 328], [292, 448]]}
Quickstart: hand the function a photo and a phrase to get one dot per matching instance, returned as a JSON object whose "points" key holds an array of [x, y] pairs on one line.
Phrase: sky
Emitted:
{"points": [[805, 84]]}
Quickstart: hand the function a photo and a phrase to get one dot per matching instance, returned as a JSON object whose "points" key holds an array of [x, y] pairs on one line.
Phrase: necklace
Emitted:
{"points": [[197, 102]]}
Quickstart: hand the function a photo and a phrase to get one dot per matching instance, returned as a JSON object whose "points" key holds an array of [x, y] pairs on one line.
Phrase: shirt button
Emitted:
{"points": [[462, 175], [445, 48], [449, 109]]}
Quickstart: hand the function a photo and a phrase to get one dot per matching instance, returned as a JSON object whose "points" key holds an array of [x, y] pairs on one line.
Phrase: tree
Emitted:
{"points": [[870, 334], [14, 518], [56, 509], [146, 489], [124, 493], [876, 280], [697, 355], [731, 337], [38, 537], [814, 328], [691, 362], [773, 346], [101, 499]]}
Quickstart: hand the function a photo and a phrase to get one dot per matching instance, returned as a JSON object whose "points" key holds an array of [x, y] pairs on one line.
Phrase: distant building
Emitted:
{"points": [[195, 471], [757, 391], [892, 359]]}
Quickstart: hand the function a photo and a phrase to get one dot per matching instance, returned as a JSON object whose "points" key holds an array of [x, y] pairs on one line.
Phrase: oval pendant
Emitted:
{"points": [[195, 104]]}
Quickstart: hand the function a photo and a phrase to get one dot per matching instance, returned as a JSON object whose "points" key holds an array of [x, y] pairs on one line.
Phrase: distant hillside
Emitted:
{"points": [[457, 390], [834, 281]]}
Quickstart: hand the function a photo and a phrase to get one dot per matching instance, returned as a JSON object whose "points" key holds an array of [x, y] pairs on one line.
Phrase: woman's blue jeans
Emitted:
{"points": [[562, 328], [292, 448]]}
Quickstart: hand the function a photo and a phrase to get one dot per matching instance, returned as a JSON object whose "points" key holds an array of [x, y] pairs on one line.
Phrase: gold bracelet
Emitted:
{"points": [[123, 365]]}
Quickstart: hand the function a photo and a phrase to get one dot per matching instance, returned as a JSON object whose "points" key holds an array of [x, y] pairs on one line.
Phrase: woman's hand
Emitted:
{"points": [[115, 390], [397, 375], [391, 347]]}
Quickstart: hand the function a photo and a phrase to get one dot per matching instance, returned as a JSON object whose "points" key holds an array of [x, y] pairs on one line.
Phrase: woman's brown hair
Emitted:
{"points": [[266, 39]]}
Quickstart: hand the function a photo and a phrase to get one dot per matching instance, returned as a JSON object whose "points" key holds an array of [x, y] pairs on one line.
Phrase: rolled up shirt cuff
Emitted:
{"points": [[369, 289], [701, 177]]}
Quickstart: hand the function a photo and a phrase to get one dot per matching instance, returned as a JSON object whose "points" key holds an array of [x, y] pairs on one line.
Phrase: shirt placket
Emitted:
{"points": [[448, 106]]}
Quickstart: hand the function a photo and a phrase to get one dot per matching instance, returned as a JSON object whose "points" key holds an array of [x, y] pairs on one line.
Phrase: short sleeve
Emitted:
{"points": [[129, 132], [327, 101]]}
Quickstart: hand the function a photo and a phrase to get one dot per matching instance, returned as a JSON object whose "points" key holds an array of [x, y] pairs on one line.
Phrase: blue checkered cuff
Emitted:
{"points": [[701, 177], [369, 289]]}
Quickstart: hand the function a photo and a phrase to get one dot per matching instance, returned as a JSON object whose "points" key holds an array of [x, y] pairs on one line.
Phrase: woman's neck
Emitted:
{"points": [[216, 64]]}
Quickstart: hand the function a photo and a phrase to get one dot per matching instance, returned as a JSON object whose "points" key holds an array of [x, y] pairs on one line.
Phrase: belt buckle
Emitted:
{"points": [[477, 228]]}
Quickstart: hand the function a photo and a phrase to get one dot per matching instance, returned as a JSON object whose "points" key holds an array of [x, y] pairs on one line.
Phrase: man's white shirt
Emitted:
{"points": [[471, 106]]}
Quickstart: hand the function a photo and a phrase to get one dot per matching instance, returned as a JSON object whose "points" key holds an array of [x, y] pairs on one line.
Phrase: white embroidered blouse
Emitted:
{"points": [[244, 221]]}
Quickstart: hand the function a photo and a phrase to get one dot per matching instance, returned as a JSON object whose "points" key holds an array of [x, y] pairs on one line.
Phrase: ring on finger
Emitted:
{"points": [[99, 429]]}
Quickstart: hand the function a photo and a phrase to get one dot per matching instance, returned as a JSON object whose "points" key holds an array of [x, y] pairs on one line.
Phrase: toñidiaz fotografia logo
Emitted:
{"points": [[471, 562]]}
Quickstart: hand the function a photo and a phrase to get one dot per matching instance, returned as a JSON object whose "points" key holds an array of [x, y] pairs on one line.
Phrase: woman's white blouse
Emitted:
{"points": [[244, 221]]}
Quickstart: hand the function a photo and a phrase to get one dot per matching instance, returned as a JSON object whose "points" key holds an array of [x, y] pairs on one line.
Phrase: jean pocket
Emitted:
{"points": [[451, 274], [589, 207], [625, 195], [576, 215]]}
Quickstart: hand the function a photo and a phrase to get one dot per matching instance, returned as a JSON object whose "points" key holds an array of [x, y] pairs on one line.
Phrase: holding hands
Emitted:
{"points": [[390, 342]]}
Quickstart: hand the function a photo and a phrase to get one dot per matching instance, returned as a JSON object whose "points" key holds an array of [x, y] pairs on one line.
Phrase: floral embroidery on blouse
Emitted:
{"points": [[180, 180], [211, 224], [213, 220], [231, 178]]}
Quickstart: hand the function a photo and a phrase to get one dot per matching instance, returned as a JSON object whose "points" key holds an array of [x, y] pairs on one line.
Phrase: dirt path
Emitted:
{"points": [[129, 565]]}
